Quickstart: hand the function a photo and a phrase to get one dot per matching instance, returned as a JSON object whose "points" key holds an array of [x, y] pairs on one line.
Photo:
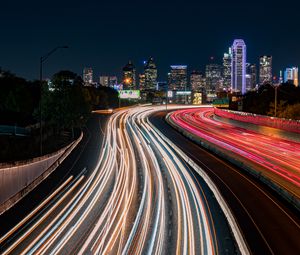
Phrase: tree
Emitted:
{"points": [[291, 112], [66, 106], [18, 99], [279, 108], [262, 100]]}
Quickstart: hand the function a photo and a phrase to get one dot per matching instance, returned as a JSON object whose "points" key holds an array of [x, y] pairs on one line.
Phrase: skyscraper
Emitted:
{"points": [[197, 81], [265, 70], [238, 66], [150, 72], [129, 79], [291, 75], [227, 69], [213, 73], [178, 77], [88, 76]]}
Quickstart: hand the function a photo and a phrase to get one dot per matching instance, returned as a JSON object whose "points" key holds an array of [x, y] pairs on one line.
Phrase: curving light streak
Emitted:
{"points": [[277, 158], [139, 186]]}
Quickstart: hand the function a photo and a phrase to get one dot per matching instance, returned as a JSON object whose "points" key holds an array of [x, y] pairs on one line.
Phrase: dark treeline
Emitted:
{"points": [[262, 101], [66, 106], [18, 99], [65, 102]]}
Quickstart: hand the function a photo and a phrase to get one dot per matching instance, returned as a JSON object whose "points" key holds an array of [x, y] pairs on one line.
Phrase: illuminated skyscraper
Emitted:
{"points": [[178, 77], [129, 79], [238, 66], [150, 71], [291, 75], [265, 70], [88, 76], [213, 73], [227, 69], [197, 81]]}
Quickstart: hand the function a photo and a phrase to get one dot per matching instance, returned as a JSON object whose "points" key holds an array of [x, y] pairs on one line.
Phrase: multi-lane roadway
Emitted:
{"points": [[277, 159], [269, 224], [140, 197]]}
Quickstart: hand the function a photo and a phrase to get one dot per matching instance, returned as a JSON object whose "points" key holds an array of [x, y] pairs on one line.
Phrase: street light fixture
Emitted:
{"points": [[42, 60]]}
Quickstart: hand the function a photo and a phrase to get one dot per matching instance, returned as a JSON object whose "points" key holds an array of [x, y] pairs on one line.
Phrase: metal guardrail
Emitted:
{"points": [[14, 130]]}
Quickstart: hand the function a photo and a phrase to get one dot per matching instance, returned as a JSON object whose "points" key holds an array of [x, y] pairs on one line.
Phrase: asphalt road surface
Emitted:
{"points": [[128, 192], [269, 224]]}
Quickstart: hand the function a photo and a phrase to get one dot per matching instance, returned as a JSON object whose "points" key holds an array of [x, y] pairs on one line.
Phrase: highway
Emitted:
{"points": [[276, 158], [268, 223], [140, 197]]}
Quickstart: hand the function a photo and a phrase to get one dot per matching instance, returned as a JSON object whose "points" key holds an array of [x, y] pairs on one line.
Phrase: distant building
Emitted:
{"points": [[88, 76], [250, 76], [113, 81], [291, 75], [248, 82], [104, 81], [265, 70], [280, 77], [238, 66], [129, 76], [150, 72], [227, 69], [108, 81], [142, 81], [178, 77], [253, 74], [197, 81], [213, 73]]}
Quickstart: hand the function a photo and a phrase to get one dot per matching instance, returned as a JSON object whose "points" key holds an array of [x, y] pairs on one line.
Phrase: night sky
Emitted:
{"points": [[106, 34]]}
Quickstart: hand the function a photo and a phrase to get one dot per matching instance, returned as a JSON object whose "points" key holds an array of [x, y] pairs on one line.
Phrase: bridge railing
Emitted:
{"points": [[19, 178]]}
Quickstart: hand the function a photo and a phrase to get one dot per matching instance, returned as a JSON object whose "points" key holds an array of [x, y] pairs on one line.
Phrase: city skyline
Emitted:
{"points": [[158, 127], [107, 54]]}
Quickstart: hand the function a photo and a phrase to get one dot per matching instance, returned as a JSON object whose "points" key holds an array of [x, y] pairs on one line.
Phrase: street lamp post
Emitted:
{"points": [[42, 60]]}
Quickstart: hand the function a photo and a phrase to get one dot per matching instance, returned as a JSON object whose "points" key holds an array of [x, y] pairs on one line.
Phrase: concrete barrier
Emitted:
{"points": [[262, 120], [19, 178]]}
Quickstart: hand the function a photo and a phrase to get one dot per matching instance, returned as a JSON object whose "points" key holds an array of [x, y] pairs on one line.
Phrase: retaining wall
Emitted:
{"points": [[19, 178]]}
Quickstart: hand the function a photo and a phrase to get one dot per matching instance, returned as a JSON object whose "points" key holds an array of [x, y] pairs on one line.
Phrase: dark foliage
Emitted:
{"points": [[66, 106], [262, 100], [18, 99]]}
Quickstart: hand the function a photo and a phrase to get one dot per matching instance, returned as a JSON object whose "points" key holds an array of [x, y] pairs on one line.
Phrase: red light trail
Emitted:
{"points": [[276, 158]]}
